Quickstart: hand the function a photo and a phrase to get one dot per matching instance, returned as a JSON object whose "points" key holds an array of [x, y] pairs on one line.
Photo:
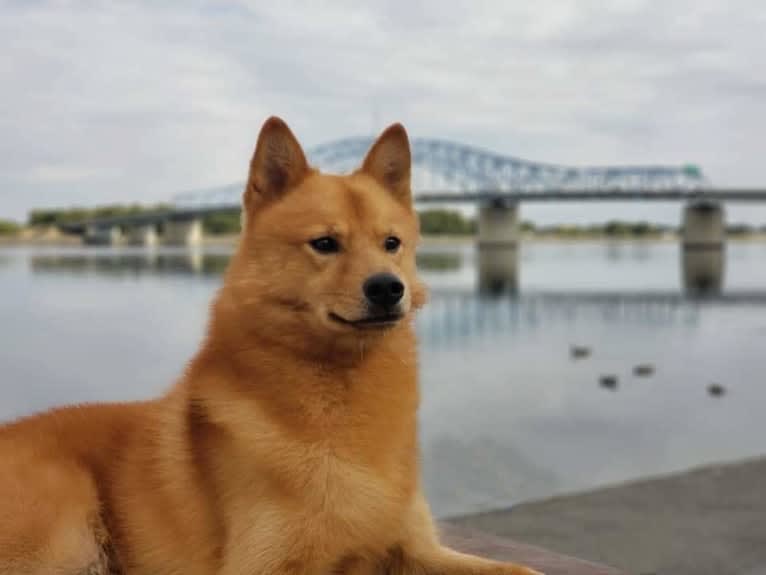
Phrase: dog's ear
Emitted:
{"points": [[389, 162], [278, 164]]}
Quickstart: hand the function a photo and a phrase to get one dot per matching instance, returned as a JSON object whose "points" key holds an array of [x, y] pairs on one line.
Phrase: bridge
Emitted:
{"points": [[448, 172]]}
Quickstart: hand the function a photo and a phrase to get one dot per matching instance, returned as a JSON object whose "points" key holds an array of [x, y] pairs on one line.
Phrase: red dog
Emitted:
{"points": [[289, 445]]}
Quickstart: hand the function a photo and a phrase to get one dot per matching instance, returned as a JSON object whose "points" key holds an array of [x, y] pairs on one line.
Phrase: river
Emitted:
{"points": [[509, 413]]}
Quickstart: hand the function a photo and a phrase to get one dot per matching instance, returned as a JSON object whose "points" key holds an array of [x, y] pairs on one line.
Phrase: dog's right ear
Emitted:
{"points": [[389, 162], [278, 164]]}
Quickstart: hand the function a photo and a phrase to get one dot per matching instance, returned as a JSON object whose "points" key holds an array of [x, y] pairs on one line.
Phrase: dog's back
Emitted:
{"points": [[88, 490], [51, 517]]}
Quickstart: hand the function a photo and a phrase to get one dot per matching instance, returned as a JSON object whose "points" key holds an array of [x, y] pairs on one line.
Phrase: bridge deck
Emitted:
{"points": [[596, 195], [425, 197]]}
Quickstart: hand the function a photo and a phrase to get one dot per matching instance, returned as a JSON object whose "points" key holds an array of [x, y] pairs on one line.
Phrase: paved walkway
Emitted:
{"points": [[708, 521]]}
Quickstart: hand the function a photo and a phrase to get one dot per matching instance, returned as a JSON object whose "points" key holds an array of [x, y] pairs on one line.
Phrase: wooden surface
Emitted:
{"points": [[478, 543]]}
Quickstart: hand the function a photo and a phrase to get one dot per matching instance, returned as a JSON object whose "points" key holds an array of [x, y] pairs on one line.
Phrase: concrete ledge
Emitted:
{"points": [[479, 543], [706, 521]]}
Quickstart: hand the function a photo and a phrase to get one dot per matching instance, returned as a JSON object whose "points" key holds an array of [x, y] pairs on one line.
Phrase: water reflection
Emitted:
{"points": [[498, 271], [118, 263], [455, 313], [132, 263], [439, 261], [615, 251], [639, 251], [453, 320], [703, 271]]}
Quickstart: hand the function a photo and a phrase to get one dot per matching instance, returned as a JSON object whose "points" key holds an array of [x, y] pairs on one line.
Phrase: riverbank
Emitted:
{"points": [[52, 237], [706, 521], [36, 236]]}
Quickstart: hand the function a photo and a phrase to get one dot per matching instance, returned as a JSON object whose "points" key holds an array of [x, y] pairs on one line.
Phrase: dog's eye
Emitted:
{"points": [[325, 245], [392, 243]]}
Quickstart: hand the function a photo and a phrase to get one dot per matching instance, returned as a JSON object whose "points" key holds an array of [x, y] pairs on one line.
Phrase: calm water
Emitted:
{"points": [[508, 415]]}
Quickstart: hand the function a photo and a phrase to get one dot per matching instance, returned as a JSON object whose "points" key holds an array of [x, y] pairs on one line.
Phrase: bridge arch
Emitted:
{"points": [[446, 166]]}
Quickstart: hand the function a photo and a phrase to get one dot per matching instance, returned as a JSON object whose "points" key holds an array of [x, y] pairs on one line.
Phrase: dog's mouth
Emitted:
{"points": [[377, 321]]}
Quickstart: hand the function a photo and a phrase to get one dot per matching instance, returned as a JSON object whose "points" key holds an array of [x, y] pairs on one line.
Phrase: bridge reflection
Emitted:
{"points": [[132, 263], [702, 271], [452, 318], [494, 304], [497, 268]]}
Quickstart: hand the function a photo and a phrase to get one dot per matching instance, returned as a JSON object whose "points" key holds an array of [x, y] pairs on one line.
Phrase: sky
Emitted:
{"points": [[138, 101]]}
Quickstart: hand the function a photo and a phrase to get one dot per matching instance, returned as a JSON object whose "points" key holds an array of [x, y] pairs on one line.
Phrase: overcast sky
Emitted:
{"points": [[136, 101]]}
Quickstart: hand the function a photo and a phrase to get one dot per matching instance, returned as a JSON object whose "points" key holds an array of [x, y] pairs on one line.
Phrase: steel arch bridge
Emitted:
{"points": [[444, 170]]}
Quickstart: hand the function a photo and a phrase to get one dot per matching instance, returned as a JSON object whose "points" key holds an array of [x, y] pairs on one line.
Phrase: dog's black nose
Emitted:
{"points": [[383, 290]]}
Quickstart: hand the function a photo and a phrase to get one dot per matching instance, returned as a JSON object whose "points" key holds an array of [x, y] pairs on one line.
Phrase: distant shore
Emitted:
{"points": [[50, 236]]}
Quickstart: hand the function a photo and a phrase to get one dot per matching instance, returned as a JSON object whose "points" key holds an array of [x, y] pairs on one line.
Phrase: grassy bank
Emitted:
{"points": [[437, 226]]}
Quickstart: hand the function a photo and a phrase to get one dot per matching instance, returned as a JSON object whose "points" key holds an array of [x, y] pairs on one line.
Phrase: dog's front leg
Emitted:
{"points": [[267, 563], [273, 545], [421, 553]]}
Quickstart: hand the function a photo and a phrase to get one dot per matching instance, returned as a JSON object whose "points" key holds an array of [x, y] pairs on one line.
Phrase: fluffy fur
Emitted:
{"points": [[289, 444]]}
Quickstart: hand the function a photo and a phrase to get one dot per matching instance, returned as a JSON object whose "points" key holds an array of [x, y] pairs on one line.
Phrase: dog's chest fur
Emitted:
{"points": [[327, 510], [331, 489]]}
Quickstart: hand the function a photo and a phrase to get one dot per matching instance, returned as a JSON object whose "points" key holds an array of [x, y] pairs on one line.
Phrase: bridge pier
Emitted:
{"points": [[703, 255], [498, 237], [498, 270], [703, 271], [183, 232], [704, 226], [143, 235], [498, 224], [194, 260], [103, 236]]}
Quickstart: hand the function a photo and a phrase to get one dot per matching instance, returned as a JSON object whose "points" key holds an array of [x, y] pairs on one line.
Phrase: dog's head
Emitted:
{"points": [[326, 257]]}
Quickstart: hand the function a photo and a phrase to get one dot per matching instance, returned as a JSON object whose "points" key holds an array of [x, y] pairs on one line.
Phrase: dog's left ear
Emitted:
{"points": [[389, 162]]}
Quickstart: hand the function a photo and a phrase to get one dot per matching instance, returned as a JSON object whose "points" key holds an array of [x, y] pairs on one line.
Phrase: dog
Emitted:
{"points": [[288, 446]]}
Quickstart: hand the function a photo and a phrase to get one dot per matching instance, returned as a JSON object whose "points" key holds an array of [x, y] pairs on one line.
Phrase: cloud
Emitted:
{"points": [[137, 101]]}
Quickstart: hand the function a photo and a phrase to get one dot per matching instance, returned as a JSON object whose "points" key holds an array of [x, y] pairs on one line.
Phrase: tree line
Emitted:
{"points": [[432, 222]]}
